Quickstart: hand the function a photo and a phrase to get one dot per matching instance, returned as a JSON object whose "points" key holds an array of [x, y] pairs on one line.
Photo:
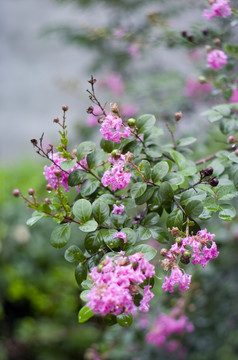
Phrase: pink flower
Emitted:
{"points": [[62, 180], [113, 129], [216, 59], [218, 8], [177, 277], [116, 284], [118, 209], [116, 177], [194, 88], [119, 32], [120, 235], [134, 50], [115, 83], [234, 96]]}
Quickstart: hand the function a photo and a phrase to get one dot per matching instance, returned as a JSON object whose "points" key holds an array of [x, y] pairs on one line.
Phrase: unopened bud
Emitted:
{"points": [[105, 262], [217, 42], [163, 252], [184, 260], [65, 108], [213, 182], [57, 173], [231, 139], [202, 79], [178, 115], [122, 262], [184, 33], [134, 289], [208, 171], [190, 37], [179, 240], [47, 201], [187, 254], [131, 122], [90, 110], [16, 192], [100, 267], [56, 120], [129, 156], [175, 231], [135, 265], [205, 32], [208, 48], [49, 187], [34, 142], [31, 191], [101, 119], [116, 153], [114, 108]]}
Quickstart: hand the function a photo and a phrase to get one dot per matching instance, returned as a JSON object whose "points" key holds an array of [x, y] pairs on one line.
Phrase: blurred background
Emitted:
{"points": [[148, 57]]}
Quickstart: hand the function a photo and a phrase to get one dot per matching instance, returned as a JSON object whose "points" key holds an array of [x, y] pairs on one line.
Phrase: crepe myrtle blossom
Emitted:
{"points": [[117, 177], [113, 129], [116, 281], [118, 209], [216, 59], [167, 325], [218, 8], [120, 235], [177, 277], [56, 176]]}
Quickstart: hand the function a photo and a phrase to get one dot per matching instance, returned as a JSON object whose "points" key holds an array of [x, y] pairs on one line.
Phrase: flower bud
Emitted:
{"points": [[208, 171], [178, 115], [56, 120], [202, 79], [184, 33], [187, 254], [213, 182], [131, 122], [16, 192], [122, 262], [208, 48], [231, 139], [163, 252], [217, 42], [65, 108], [90, 110], [175, 231], [47, 201], [179, 240], [57, 173], [134, 289], [184, 260], [34, 142], [31, 192], [114, 108], [100, 267], [190, 37], [49, 187]]}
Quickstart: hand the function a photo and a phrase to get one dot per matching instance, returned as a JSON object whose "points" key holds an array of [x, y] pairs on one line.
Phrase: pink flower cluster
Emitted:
{"points": [[118, 209], [117, 177], [51, 172], [116, 282], [216, 59], [165, 326], [218, 8], [120, 235], [201, 254], [113, 129]]}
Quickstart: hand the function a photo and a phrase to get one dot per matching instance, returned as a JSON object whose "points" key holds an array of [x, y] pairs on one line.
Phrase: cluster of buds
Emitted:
{"points": [[213, 181]]}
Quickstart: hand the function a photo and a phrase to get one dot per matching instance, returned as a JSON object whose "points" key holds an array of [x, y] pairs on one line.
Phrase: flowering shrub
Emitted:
{"points": [[137, 187]]}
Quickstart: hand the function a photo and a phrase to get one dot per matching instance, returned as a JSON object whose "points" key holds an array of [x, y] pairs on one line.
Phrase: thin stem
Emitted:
{"points": [[172, 136], [93, 97]]}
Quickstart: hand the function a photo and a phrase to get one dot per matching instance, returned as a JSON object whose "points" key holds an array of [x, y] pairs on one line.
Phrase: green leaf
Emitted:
{"points": [[206, 188], [179, 159], [135, 147], [67, 165], [74, 254], [36, 216], [81, 272], [210, 204], [151, 219], [90, 225], [84, 314], [110, 320], [159, 171], [145, 168], [130, 236], [226, 192], [235, 179], [82, 210], [212, 115], [146, 196], [145, 123], [124, 320], [228, 125], [227, 213], [85, 148], [144, 233], [159, 234], [60, 235], [223, 109], [83, 295], [108, 146], [95, 158], [87, 284], [107, 236], [153, 151], [100, 211], [108, 199], [89, 186], [175, 219], [76, 177], [186, 141], [175, 178], [147, 250], [192, 194], [194, 208], [92, 242], [138, 189]]}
